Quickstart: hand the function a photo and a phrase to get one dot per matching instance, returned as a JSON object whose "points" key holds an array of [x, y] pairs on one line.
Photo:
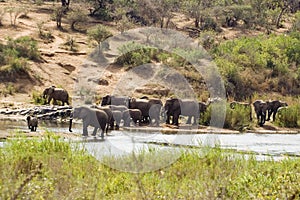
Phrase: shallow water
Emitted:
{"points": [[124, 142]]}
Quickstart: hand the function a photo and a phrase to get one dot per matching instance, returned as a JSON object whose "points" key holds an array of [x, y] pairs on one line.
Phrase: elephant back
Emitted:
{"points": [[189, 107], [115, 100], [61, 94]]}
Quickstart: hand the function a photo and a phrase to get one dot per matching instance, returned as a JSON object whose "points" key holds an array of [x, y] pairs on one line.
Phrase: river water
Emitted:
{"points": [[274, 146]]}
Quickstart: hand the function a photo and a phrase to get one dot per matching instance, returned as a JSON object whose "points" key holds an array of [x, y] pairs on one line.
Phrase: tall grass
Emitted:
{"points": [[50, 168], [289, 116], [236, 119]]}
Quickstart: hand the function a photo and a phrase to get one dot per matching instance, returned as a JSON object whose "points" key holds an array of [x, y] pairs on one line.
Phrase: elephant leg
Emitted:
{"points": [[84, 130], [189, 120], [195, 120], [263, 119], [102, 134], [175, 119], [274, 115], [168, 119], [49, 100], [258, 118], [157, 121], [95, 131], [112, 124], [269, 115]]}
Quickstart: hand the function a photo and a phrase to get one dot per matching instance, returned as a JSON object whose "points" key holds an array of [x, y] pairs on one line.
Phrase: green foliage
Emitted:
{"points": [[71, 44], [258, 64], [14, 55], [38, 98], [99, 33], [296, 23], [134, 54], [76, 16], [8, 90], [236, 119], [289, 116], [25, 47], [50, 168]]}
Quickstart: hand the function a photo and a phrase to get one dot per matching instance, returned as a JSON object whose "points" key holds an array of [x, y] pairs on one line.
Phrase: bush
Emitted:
{"points": [[289, 117], [38, 98], [99, 33], [25, 47], [14, 55], [236, 119], [75, 17], [256, 62]]}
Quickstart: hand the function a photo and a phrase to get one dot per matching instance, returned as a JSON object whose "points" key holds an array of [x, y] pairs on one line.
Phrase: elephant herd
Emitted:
{"points": [[150, 111], [116, 110]]}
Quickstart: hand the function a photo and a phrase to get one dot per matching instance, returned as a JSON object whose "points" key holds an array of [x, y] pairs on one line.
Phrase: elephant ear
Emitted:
{"points": [[45, 93], [51, 90], [108, 99]]}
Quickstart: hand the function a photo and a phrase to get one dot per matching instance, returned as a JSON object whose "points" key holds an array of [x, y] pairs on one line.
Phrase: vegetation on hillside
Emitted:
{"points": [[14, 54]]}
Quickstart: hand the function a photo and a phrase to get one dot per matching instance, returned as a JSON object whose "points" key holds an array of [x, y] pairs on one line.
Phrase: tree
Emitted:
{"points": [[198, 9], [99, 33], [76, 16]]}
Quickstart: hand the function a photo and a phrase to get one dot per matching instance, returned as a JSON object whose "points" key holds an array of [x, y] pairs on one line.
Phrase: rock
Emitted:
{"points": [[100, 81]]}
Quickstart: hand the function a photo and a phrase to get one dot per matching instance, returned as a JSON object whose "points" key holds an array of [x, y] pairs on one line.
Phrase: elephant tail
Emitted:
{"points": [[106, 128], [70, 125]]}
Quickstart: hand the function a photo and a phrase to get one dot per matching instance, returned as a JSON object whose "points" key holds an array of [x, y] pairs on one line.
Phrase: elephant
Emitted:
{"points": [[132, 114], [117, 117], [56, 94], [108, 111], [244, 105], [260, 108], [32, 123], [202, 109], [175, 107], [150, 109], [90, 117], [273, 107], [115, 100]]}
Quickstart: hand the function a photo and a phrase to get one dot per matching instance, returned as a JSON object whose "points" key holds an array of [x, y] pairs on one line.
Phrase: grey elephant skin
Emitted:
{"points": [[108, 111], [32, 123], [260, 108], [57, 94], [150, 109], [132, 114], [91, 117], [175, 107], [273, 107], [114, 100]]}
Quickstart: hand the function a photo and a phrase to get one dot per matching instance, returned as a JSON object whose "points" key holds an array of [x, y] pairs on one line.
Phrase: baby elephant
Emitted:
{"points": [[32, 123]]}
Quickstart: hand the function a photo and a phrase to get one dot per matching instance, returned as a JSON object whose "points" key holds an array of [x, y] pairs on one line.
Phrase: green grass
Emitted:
{"points": [[53, 169]]}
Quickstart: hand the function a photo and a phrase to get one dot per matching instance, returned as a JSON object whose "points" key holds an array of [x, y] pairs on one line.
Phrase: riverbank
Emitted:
{"points": [[52, 169]]}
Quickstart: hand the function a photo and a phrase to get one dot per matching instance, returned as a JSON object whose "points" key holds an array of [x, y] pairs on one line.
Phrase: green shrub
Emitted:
{"points": [[76, 16], [38, 99], [26, 47], [236, 119], [52, 168], [289, 117], [14, 55]]}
